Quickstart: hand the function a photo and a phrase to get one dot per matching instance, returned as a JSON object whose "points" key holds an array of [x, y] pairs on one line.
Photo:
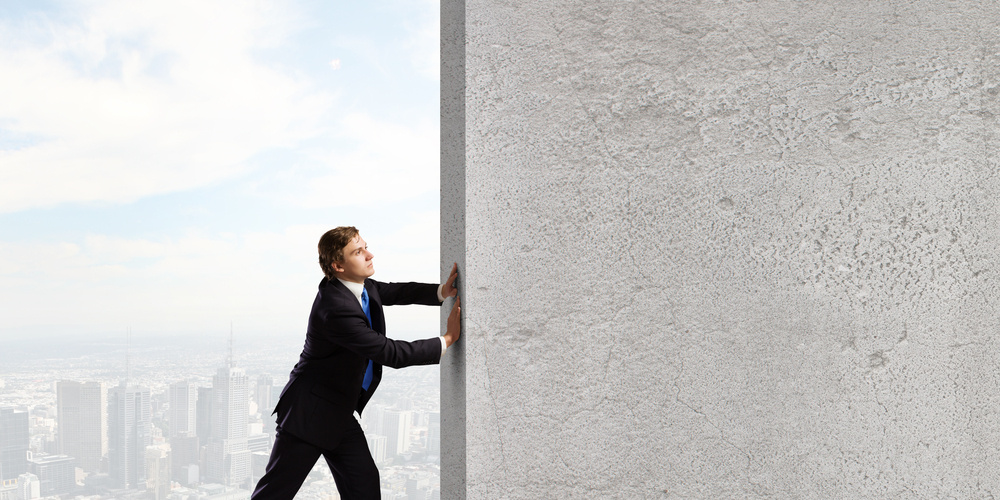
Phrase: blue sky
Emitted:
{"points": [[169, 166]]}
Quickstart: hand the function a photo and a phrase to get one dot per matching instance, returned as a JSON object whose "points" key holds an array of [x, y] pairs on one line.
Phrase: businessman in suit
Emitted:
{"points": [[341, 366]]}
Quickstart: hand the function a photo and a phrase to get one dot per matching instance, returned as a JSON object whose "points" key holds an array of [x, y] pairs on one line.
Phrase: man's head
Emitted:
{"points": [[344, 254]]}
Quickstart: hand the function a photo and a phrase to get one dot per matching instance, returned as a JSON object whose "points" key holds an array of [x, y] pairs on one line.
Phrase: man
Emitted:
{"points": [[341, 366]]}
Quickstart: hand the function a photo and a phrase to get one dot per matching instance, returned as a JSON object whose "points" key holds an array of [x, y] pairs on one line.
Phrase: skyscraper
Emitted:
{"points": [[434, 433], [158, 472], [376, 445], [203, 421], [184, 454], [228, 460], [182, 415], [262, 395], [82, 413], [28, 486], [56, 474], [129, 429], [183, 408], [13, 443], [397, 432]]}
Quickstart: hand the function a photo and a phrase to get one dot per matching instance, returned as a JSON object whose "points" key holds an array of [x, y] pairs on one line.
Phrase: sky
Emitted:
{"points": [[168, 167]]}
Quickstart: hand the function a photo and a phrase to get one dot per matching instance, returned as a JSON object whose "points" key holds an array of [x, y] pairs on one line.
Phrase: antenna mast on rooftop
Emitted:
{"points": [[229, 360], [128, 355]]}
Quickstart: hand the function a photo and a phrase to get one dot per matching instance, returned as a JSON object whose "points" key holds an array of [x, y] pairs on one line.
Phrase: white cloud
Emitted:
{"points": [[396, 161], [122, 100], [139, 98]]}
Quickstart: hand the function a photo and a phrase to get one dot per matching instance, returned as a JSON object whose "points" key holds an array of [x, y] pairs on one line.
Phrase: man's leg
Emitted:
{"points": [[290, 463], [352, 466]]}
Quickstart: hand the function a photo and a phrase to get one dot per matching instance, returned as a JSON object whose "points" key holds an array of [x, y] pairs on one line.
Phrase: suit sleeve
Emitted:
{"points": [[350, 330], [398, 294]]}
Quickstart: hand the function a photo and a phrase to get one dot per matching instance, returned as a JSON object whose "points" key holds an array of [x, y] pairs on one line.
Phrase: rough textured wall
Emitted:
{"points": [[726, 249]]}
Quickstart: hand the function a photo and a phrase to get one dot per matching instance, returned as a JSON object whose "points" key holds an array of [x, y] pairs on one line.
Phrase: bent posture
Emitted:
{"points": [[341, 366]]}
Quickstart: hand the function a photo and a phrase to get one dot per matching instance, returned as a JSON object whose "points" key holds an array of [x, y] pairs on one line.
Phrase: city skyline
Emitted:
{"points": [[156, 376]]}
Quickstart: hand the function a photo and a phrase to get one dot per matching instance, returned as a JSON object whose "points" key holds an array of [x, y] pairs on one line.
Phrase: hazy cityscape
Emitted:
{"points": [[184, 419]]}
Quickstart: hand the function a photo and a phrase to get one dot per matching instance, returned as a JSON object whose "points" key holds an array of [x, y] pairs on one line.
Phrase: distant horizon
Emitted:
{"points": [[73, 344]]}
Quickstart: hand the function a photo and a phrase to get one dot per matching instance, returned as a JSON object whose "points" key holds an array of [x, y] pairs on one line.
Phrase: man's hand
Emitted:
{"points": [[454, 323], [449, 289]]}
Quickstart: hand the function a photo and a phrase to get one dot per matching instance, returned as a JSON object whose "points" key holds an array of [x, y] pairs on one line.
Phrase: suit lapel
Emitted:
{"points": [[374, 303], [348, 296]]}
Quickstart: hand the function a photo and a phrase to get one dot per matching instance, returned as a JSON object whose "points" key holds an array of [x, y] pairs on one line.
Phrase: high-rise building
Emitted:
{"points": [[28, 486], [190, 475], [183, 409], [82, 415], [258, 464], [376, 445], [184, 453], [434, 433], [56, 474], [259, 442], [228, 460], [13, 443], [373, 419], [203, 421], [129, 433], [397, 432], [158, 472], [9, 490], [262, 395]]}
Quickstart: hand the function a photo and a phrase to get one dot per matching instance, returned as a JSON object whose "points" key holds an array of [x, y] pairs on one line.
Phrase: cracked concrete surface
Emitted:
{"points": [[722, 249]]}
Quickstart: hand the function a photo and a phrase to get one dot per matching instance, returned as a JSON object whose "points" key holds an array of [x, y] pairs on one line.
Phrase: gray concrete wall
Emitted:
{"points": [[722, 249]]}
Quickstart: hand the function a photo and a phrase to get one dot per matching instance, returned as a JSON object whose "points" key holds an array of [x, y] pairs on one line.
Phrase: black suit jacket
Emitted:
{"points": [[324, 388]]}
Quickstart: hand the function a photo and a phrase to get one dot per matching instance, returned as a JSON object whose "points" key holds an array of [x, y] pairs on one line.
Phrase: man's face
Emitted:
{"points": [[357, 264]]}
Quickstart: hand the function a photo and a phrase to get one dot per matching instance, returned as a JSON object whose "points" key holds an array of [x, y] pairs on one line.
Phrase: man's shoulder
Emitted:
{"points": [[331, 293]]}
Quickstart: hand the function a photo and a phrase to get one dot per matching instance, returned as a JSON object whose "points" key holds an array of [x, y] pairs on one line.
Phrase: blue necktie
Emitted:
{"points": [[364, 307]]}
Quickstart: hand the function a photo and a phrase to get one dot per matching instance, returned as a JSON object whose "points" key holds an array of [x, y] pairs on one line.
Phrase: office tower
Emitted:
{"points": [[190, 475], [28, 486], [183, 409], [82, 413], [259, 442], [418, 488], [129, 430], [262, 395], [228, 460], [434, 433], [203, 420], [56, 474], [397, 432], [258, 464], [376, 445], [374, 419], [9, 490], [13, 443], [158, 472], [184, 452], [184, 423]]}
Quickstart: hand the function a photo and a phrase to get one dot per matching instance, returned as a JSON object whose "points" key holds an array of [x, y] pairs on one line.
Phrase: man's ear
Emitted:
{"points": [[337, 267]]}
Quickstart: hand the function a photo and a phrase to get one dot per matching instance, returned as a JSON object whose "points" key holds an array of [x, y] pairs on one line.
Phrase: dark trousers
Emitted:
{"points": [[292, 458]]}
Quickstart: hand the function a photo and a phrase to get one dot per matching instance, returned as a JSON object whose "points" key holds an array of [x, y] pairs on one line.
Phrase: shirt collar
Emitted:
{"points": [[355, 288]]}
